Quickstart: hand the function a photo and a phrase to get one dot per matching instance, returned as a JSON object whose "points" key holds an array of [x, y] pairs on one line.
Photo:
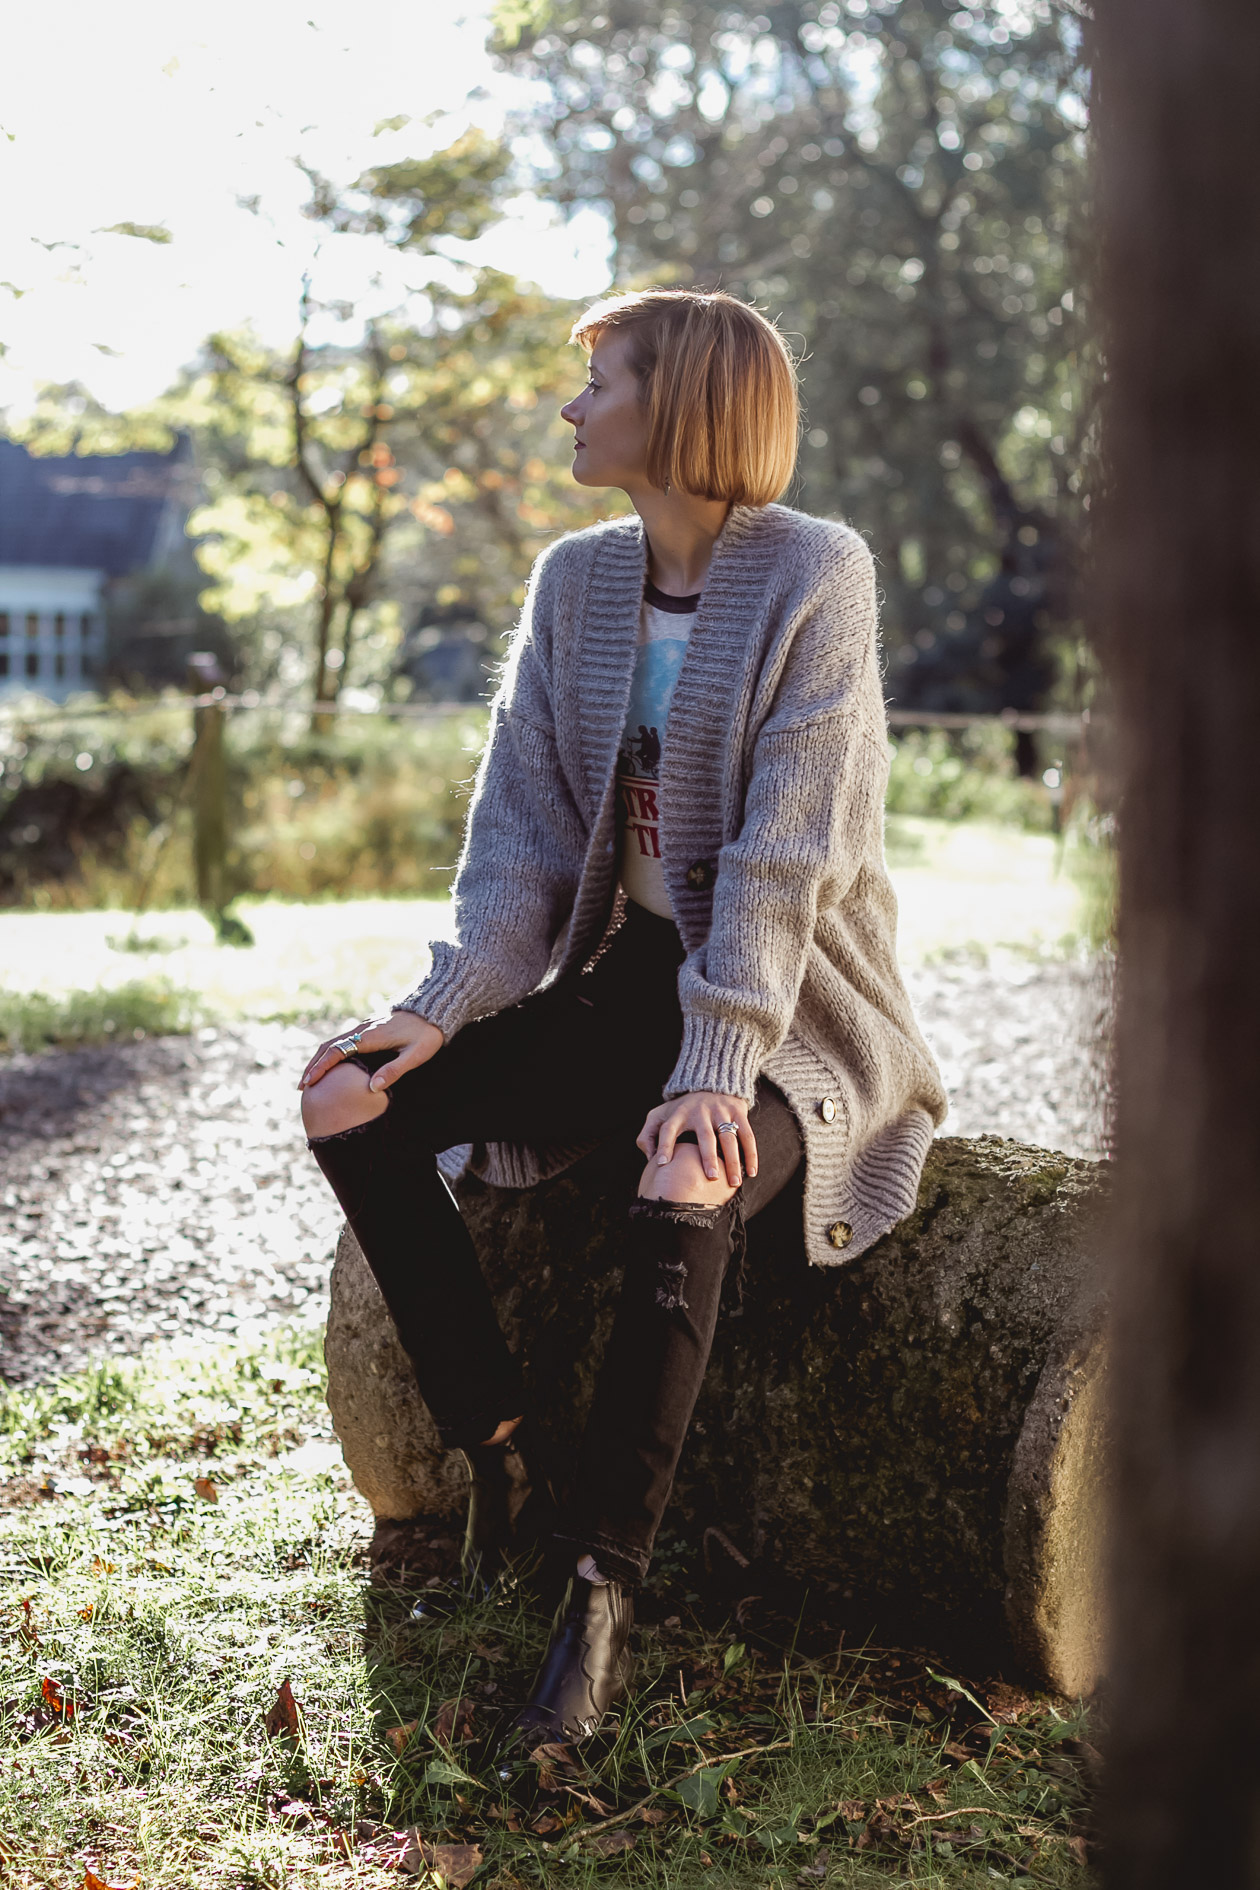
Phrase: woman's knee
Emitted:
{"points": [[683, 1179], [340, 1101]]}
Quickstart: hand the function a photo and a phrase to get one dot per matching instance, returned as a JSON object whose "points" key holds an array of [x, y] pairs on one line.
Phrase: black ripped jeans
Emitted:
{"points": [[593, 1049]]}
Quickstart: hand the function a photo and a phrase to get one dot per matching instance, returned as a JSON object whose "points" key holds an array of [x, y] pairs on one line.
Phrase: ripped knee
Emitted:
{"points": [[669, 1265], [683, 1180], [341, 1101]]}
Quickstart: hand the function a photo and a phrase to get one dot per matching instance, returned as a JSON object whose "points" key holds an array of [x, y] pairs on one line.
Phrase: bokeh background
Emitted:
{"points": [[284, 300]]}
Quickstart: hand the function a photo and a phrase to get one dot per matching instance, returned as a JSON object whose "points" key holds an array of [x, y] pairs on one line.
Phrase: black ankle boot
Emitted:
{"points": [[511, 1508], [587, 1668]]}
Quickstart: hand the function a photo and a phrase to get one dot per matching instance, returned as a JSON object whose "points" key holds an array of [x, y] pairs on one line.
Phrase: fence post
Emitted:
{"points": [[209, 785]]}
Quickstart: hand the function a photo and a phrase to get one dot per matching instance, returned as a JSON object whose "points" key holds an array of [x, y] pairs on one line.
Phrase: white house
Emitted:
{"points": [[69, 528]]}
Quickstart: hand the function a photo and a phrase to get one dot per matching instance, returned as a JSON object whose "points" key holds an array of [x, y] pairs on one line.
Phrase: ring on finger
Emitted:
{"points": [[726, 1128], [348, 1045]]}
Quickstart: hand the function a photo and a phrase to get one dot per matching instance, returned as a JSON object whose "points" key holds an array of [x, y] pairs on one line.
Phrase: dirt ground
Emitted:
{"points": [[162, 1188]]}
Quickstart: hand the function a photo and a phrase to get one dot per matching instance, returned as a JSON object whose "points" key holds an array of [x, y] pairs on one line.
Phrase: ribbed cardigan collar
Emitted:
{"points": [[712, 681]]}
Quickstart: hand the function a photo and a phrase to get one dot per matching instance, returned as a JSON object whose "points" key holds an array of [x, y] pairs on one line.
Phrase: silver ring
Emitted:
{"points": [[724, 1128], [348, 1045]]}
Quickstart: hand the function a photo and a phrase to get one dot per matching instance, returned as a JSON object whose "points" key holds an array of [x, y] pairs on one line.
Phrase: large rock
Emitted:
{"points": [[923, 1425]]}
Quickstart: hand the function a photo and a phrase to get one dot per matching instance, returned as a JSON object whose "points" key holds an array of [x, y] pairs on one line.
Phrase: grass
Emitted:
{"points": [[140, 1007], [67, 976], [179, 1539]]}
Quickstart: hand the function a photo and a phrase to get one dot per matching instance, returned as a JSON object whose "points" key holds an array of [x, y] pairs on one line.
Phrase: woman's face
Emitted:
{"points": [[609, 420]]}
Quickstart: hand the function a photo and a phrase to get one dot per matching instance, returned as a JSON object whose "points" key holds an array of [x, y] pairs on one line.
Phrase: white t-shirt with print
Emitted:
{"points": [[665, 624]]}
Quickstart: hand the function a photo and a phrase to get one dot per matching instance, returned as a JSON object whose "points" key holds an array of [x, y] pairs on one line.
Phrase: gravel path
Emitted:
{"points": [[163, 1187]]}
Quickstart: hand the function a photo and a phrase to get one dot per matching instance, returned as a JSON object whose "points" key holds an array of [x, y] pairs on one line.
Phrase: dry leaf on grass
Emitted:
{"points": [[545, 1824], [399, 1736], [453, 1865], [608, 1843], [454, 1721], [1079, 1848], [285, 1715], [651, 1814], [86, 1613], [57, 1700], [205, 1489], [92, 1882], [101, 1567], [550, 1753], [938, 1790]]}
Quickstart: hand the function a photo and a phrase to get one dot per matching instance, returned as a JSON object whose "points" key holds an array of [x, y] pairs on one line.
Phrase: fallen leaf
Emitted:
{"points": [[56, 1700], [1079, 1849], [205, 1489], [608, 1843], [454, 1721], [399, 1736], [853, 1811], [1007, 1704], [937, 1789], [452, 1864], [86, 1613], [554, 1754], [102, 1567], [492, 1654], [652, 1814], [285, 1715], [92, 1882], [295, 1811], [545, 1823]]}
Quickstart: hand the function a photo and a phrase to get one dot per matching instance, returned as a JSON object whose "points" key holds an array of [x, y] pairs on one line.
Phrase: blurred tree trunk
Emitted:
{"points": [[1179, 134]]}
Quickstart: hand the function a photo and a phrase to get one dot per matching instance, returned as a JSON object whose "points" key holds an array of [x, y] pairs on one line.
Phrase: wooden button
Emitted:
{"points": [[839, 1233], [827, 1109], [701, 875]]}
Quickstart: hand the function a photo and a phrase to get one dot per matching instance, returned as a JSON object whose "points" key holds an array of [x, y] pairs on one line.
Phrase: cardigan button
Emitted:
{"points": [[839, 1233], [827, 1109], [701, 875]]}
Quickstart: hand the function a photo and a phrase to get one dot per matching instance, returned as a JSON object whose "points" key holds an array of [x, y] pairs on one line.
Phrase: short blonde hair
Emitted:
{"points": [[719, 383]]}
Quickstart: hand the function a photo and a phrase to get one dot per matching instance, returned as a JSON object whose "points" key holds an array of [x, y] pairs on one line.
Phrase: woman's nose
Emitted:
{"points": [[569, 412]]}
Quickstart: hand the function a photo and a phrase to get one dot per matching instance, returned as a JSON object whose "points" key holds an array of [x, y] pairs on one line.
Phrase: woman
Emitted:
{"points": [[690, 714]]}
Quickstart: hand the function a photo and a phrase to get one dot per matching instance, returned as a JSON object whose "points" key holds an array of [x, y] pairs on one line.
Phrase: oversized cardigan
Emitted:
{"points": [[772, 781]]}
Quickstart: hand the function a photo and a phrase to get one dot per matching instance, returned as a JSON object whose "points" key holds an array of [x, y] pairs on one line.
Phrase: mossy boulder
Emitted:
{"points": [[922, 1426]]}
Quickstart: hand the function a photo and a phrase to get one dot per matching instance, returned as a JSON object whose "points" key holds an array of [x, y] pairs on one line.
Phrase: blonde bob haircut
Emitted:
{"points": [[719, 384]]}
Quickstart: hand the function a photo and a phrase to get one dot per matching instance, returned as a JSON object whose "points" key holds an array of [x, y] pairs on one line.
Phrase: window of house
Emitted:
{"points": [[32, 662], [32, 623], [4, 662], [4, 623], [59, 664], [59, 624], [85, 627]]}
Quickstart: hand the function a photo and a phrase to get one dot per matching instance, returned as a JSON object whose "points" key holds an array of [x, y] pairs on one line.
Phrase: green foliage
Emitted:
{"points": [[34, 1020], [901, 186], [968, 776], [152, 1618], [97, 812]]}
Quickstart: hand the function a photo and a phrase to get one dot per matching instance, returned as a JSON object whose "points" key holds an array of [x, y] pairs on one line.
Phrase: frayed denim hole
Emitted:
{"points": [[343, 1135]]}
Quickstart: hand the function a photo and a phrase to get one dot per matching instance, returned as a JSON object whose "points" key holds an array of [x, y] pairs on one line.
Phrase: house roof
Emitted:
{"points": [[96, 513]]}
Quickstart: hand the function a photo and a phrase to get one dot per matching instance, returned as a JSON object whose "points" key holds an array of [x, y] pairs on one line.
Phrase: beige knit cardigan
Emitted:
{"points": [[772, 782]]}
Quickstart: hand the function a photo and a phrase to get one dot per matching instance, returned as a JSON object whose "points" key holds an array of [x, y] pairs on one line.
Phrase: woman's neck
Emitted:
{"points": [[681, 533]]}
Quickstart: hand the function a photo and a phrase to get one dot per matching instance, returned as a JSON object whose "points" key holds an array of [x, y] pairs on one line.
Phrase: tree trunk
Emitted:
{"points": [[919, 1428], [1179, 132]]}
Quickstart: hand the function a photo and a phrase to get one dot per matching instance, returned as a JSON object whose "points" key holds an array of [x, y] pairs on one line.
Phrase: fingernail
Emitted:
{"points": [[661, 1160], [711, 1173]]}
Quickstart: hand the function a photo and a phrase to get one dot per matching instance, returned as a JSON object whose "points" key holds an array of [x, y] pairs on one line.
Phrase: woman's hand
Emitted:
{"points": [[414, 1038], [703, 1111]]}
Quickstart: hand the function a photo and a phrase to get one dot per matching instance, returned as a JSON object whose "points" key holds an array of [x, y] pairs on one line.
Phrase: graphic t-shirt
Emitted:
{"points": [[665, 623]]}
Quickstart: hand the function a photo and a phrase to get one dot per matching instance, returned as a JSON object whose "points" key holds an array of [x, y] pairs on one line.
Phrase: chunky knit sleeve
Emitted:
{"points": [[813, 812], [524, 842]]}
